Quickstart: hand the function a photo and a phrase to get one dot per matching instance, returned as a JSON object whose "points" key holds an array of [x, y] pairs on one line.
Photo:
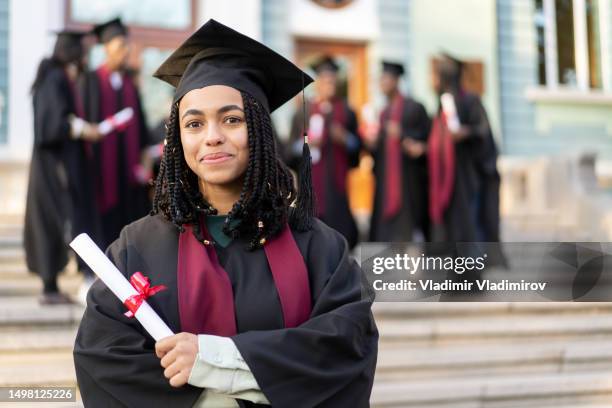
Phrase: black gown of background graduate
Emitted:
{"points": [[332, 200], [60, 201], [488, 191], [328, 361], [413, 213], [461, 217], [131, 202]]}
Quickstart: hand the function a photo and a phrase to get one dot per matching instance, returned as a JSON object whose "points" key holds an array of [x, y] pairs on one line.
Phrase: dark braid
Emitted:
{"points": [[263, 207]]}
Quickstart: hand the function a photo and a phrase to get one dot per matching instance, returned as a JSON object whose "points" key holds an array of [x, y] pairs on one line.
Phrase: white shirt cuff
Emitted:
{"points": [[220, 352]]}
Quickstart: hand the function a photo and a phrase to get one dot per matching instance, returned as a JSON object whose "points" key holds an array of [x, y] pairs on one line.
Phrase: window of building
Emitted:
{"points": [[569, 43]]}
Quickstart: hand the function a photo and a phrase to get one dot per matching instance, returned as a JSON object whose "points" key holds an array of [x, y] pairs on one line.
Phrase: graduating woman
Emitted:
{"points": [[267, 304], [59, 201]]}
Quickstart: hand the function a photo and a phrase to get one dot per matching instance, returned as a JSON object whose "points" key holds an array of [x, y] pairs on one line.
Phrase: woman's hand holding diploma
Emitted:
{"points": [[178, 354]]}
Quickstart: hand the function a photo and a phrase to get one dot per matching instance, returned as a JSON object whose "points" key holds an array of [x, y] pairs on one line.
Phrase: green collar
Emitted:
{"points": [[214, 225]]}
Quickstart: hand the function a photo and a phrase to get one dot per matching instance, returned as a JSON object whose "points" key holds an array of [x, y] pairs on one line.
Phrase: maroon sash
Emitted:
{"points": [[108, 191], [339, 156], [206, 298], [441, 163], [393, 159]]}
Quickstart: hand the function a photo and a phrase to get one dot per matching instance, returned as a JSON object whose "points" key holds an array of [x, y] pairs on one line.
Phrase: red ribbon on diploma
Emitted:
{"points": [[145, 290]]}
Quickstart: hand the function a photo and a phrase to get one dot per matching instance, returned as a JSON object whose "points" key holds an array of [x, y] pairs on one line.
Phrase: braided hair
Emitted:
{"points": [[268, 191]]}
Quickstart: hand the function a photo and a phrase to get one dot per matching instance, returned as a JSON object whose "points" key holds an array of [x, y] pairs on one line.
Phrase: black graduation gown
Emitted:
{"points": [[414, 210], [133, 202], [488, 193], [338, 213], [460, 218], [328, 361], [59, 199]]}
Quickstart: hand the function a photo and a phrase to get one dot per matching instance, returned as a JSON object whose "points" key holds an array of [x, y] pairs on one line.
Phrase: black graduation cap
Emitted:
{"points": [[109, 30], [460, 64], [70, 35], [325, 63], [394, 68], [218, 55], [68, 46]]}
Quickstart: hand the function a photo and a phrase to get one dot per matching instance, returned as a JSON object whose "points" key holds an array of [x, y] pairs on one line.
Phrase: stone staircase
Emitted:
{"points": [[433, 355], [496, 355], [35, 341]]}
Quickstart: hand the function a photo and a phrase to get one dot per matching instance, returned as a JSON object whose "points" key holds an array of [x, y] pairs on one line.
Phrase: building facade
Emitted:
{"points": [[542, 67]]}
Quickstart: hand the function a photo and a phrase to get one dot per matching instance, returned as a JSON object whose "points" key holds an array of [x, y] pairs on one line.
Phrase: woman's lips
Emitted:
{"points": [[214, 158]]}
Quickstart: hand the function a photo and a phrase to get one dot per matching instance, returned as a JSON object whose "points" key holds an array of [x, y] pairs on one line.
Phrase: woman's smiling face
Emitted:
{"points": [[214, 135]]}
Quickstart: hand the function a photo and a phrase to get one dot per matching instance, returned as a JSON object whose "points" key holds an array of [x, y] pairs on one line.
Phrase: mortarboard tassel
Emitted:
{"points": [[305, 199]]}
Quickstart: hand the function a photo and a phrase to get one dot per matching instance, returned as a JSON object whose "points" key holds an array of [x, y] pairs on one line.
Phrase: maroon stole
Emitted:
{"points": [[393, 159], [108, 191], [441, 163], [206, 298], [338, 156]]}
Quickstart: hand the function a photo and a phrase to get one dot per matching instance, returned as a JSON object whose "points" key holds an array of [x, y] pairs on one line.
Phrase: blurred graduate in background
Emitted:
{"points": [[400, 164], [60, 200], [119, 181], [462, 157], [335, 147]]}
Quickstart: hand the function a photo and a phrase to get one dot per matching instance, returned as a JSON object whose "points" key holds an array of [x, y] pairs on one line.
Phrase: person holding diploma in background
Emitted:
{"points": [[459, 135], [59, 201], [120, 193], [400, 164], [267, 303]]}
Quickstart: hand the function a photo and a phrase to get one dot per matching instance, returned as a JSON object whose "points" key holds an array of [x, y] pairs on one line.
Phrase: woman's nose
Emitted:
{"points": [[213, 135]]}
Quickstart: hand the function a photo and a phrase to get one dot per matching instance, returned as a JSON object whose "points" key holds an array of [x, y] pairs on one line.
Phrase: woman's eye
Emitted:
{"points": [[193, 124], [232, 120]]}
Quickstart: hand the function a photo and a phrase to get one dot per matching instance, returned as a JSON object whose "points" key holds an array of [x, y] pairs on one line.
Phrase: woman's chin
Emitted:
{"points": [[219, 179]]}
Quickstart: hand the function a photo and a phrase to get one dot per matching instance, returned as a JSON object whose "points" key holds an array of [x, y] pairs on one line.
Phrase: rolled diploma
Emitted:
{"points": [[450, 110], [118, 119], [119, 285]]}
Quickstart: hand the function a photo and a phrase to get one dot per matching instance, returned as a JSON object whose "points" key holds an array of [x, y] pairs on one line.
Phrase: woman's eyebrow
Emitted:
{"points": [[192, 112], [228, 108], [221, 110]]}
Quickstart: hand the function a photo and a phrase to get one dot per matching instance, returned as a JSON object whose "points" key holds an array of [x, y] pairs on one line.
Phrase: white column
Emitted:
{"points": [[550, 44], [30, 39], [581, 45]]}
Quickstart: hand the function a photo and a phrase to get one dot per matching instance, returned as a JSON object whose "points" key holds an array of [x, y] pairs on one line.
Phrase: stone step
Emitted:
{"points": [[11, 241], [17, 268], [12, 255], [37, 369], [11, 230], [17, 339], [537, 356], [486, 329], [26, 311], [31, 285], [77, 404], [14, 270], [518, 391]]}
